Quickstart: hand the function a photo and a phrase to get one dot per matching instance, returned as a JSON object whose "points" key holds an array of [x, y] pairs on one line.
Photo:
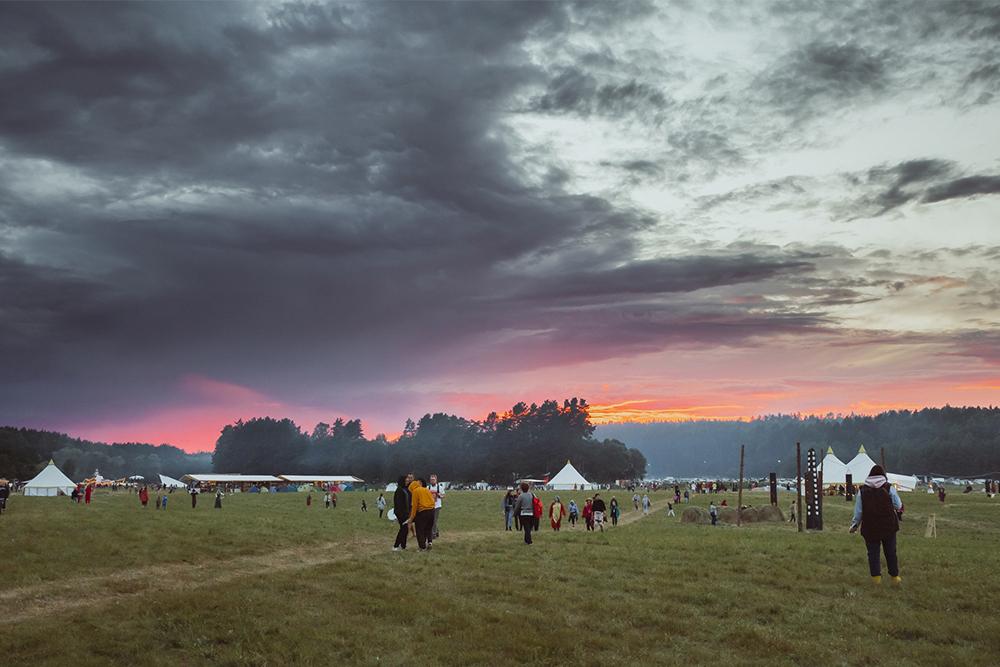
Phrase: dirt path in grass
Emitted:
{"points": [[38, 600]]}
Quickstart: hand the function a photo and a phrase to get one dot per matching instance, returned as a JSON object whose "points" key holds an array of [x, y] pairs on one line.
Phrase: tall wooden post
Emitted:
{"points": [[739, 497], [798, 483]]}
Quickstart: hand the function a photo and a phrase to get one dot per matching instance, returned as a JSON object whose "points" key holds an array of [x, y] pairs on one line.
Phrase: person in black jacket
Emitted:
{"points": [[401, 507], [875, 511]]}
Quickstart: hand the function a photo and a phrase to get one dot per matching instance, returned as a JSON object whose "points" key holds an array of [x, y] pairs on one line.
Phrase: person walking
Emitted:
{"points": [[326, 500], [143, 497], [508, 508], [686, 495], [615, 511], [401, 509], [588, 513], [670, 509], [524, 508], [599, 509], [90, 488], [645, 504], [713, 511], [791, 512], [635, 501], [4, 495], [364, 505], [574, 513], [875, 512], [556, 513], [194, 496], [380, 503], [422, 513], [164, 503], [218, 499], [437, 492]]}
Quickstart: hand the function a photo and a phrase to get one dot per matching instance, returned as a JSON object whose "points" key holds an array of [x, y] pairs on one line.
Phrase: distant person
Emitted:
{"points": [[574, 513], [556, 513], [645, 504], [875, 511], [670, 509], [380, 503], [524, 508], [75, 495], [159, 502], [218, 499], [333, 499], [87, 492], [599, 510], [517, 517], [713, 511], [791, 513], [437, 492], [401, 508], [4, 495], [508, 509], [165, 503], [194, 496], [615, 511], [143, 497], [941, 493], [422, 513], [309, 499], [686, 495], [364, 505], [326, 500], [588, 513], [635, 501]]}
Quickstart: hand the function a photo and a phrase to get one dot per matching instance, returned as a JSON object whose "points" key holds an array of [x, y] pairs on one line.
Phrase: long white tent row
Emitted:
{"points": [[321, 479], [835, 471], [270, 479]]}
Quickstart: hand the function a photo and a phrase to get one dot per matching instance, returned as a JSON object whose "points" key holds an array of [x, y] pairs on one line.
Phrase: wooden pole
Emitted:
{"points": [[739, 497], [798, 483]]}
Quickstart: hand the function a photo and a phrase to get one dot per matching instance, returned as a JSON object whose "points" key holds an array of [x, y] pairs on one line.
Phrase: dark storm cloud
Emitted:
{"points": [[969, 186], [573, 90]]}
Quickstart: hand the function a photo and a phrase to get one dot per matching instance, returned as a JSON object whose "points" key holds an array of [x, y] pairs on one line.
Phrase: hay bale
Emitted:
{"points": [[769, 513], [727, 515], [695, 515], [750, 515]]}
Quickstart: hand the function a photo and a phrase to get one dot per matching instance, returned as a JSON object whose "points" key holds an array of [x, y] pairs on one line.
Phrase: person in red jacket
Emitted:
{"points": [[87, 493], [143, 497], [588, 513]]}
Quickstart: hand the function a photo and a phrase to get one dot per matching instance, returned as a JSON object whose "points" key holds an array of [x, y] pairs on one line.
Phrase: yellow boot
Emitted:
{"points": [[877, 580], [896, 579]]}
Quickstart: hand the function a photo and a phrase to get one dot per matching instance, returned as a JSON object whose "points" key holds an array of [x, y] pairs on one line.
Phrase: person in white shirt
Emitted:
{"points": [[437, 491]]}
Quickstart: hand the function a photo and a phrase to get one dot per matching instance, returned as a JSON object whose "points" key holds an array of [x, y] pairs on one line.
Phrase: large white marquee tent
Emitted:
{"points": [[835, 471], [569, 479], [50, 482]]}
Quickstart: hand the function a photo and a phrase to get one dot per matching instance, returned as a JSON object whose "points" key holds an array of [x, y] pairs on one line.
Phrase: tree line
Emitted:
{"points": [[949, 441], [527, 441], [24, 452]]}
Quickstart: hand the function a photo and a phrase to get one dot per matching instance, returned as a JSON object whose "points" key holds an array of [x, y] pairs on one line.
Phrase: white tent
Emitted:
{"points": [[862, 464], [171, 482], [50, 482], [834, 470], [569, 479]]}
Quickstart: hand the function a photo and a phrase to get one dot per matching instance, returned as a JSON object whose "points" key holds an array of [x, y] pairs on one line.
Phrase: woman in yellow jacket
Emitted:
{"points": [[422, 513]]}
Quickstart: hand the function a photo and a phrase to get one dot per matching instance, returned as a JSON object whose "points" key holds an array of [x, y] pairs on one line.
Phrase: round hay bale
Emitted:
{"points": [[750, 515], [769, 513], [695, 515], [727, 515]]}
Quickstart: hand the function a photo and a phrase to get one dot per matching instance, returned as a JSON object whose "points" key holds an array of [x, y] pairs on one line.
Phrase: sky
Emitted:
{"points": [[218, 211]]}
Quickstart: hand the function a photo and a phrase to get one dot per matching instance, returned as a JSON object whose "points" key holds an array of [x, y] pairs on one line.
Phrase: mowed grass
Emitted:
{"points": [[268, 581]]}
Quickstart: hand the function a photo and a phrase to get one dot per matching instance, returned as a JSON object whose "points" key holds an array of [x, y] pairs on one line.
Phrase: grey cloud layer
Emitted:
{"points": [[329, 193]]}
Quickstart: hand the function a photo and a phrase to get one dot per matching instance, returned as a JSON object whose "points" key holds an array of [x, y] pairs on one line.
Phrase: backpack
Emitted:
{"points": [[538, 507]]}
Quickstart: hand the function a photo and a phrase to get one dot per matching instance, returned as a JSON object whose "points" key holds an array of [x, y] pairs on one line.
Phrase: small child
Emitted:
{"points": [[670, 509], [159, 501], [364, 506], [164, 502]]}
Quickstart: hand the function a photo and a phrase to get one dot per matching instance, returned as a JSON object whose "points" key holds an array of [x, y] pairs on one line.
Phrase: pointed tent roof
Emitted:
{"points": [[50, 482], [569, 478], [860, 465], [834, 470]]}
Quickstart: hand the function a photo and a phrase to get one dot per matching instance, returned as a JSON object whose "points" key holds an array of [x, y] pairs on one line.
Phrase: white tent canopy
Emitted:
{"points": [[569, 479], [171, 482], [322, 479], [835, 472], [50, 482]]}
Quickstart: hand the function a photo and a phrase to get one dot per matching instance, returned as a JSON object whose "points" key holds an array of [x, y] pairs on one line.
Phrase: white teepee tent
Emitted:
{"points": [[834, 470], [862, 464], [569, 479], [50, 482]]}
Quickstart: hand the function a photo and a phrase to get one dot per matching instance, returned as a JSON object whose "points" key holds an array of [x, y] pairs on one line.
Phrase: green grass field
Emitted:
{"points": [[268, 581]]}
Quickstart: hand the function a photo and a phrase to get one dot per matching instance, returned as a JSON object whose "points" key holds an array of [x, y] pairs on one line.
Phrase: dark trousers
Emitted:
{"points": [[527, 522], [424, 523], [888, 545], [404, 530]]}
